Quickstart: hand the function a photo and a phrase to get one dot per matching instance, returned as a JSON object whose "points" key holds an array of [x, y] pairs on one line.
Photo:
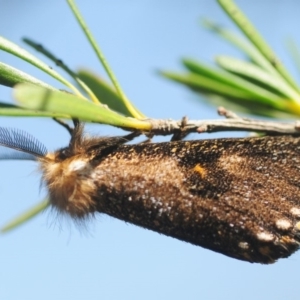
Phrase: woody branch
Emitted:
{"points": [[232, 123]]}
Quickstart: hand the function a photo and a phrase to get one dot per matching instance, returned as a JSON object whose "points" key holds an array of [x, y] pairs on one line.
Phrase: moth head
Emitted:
{"points": [[61, 173], [67, 172]]}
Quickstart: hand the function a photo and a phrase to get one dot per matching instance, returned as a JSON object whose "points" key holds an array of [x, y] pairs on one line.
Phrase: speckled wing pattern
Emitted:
{"points": [[238, 197]]}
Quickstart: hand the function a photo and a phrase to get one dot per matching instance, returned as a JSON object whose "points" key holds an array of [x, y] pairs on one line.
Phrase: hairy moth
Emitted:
{"points": [[239, 197]]}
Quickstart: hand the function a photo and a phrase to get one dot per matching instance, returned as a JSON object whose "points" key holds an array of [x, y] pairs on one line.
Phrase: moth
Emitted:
{"points": [[236, 196]]}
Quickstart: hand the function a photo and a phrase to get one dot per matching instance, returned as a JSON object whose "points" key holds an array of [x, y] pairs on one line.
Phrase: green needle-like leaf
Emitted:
{"points": [[135, 113], [255, 38], [33, 97], [10, 76], [104, 92], [8, 110], [259, 76], [14, 49], [25, 216], [220, 77], [247, 107], [241, 43], [62, 65], [226, 92]]}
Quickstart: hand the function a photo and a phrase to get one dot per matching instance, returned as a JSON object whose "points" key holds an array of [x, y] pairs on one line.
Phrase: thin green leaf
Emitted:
{"points": [[14, 49], [241, 43], [33, 97], [62, 65], [25, 216], [135, 113], [258, 75], [209, 86], [10, 76], [255, 38], [247, 107], [233, 82], [8, 110], [104, 92]]}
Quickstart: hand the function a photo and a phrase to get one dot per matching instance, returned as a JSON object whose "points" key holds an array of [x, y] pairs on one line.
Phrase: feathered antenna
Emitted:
{"points": [[25, 145]]}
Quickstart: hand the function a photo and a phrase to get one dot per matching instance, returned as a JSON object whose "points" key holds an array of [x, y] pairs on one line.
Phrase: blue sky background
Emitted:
{"points": [[48, 259]]}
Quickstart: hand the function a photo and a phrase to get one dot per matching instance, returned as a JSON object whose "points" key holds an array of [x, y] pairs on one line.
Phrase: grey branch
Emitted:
{"points": [[231, 123]]}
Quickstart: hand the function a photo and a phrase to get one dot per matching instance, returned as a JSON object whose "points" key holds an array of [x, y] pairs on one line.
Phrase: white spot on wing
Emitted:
{"points": [[283, 224], [243, 245], [265, 236], [295, 211]]}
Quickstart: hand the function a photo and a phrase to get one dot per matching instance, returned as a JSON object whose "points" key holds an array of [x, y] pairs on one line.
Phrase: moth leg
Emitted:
{"points": [[65, 125], [149, 138], [120, 140], [131, 136]]}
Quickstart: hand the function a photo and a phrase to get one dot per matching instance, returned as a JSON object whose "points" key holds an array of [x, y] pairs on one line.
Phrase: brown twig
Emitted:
{"points": [[232, 123]]}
